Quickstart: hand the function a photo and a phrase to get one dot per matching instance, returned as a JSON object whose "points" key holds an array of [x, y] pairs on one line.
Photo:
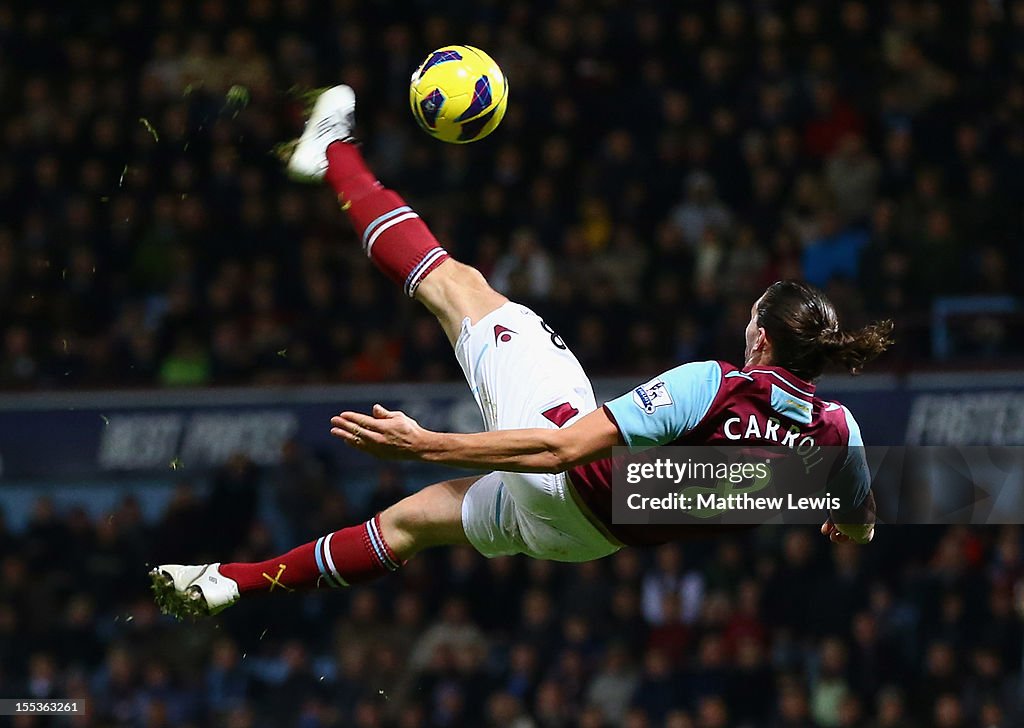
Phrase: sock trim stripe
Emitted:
{"points": [[379, 547], [382, 218], [431, 257], [376, 549], [384, 227], [320, 561], [330, 560], [424, 262], [384, 544], [387, 549], [386, 216]]}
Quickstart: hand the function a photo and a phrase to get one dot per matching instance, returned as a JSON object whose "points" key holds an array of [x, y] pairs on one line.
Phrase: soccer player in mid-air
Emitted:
{"points": [[546, 441]]}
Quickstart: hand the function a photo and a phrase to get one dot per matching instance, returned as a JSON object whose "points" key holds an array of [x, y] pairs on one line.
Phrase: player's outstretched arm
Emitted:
{"points": [[395, 435]]}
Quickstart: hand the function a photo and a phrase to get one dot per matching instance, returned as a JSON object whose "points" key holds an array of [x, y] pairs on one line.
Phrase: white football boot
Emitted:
{"points": [[192, 591], [332, 119]]}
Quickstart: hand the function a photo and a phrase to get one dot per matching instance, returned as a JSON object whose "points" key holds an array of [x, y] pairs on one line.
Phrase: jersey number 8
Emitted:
{"points": [[555, 338]]}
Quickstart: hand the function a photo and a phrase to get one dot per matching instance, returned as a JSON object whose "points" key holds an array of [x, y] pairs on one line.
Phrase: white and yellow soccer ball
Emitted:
{"points": [[458, 94]]}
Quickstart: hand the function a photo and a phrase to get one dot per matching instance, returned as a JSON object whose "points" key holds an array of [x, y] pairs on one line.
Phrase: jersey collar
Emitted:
{"points": [[784, 375]]}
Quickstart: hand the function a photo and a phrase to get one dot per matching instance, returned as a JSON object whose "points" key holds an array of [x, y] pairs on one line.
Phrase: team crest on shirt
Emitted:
{"points": [[502, 334], [651, 396]]}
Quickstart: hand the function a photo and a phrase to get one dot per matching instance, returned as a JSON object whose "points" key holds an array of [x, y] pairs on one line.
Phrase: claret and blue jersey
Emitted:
{"points": [[716, 403]]}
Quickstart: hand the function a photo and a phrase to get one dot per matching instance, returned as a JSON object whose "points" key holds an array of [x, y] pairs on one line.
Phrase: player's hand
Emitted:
{"points": [[386, 434], [860, 534]]}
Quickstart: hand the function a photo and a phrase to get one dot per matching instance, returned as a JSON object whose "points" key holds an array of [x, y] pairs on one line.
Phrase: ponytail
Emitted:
{"points": [[805, 335], [853, 349]]}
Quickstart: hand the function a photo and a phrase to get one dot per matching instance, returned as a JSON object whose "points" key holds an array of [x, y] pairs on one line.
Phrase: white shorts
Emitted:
{"points": [[522, 375]]}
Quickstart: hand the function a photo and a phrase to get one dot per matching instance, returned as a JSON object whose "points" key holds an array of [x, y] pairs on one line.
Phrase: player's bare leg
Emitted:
{"points": [[353, 555], [428, 518], [456, 291]]}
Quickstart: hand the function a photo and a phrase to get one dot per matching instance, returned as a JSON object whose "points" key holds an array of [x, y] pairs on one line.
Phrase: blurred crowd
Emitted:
{"points": [[659, 164], [776, 628]]}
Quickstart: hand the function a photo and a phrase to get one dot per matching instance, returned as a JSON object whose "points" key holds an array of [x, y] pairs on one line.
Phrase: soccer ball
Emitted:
{"points": [[458, 94]]}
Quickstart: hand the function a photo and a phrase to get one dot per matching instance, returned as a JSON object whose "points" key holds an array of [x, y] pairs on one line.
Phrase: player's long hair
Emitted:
{"points": [[805, 335]]}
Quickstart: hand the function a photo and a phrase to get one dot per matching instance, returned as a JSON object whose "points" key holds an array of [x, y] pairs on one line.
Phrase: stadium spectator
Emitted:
{"points": [[428, 651], [148, 237]]}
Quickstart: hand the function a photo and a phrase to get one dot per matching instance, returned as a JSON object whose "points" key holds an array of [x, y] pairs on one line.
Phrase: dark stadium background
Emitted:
{"points": [[659, 164]]}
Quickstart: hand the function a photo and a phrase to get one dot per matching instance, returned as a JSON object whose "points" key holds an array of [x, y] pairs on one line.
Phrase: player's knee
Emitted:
{"points": [[456, 291], [474, 278], [456, 276], [399, 517], [401, 523], [430, 517]]}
